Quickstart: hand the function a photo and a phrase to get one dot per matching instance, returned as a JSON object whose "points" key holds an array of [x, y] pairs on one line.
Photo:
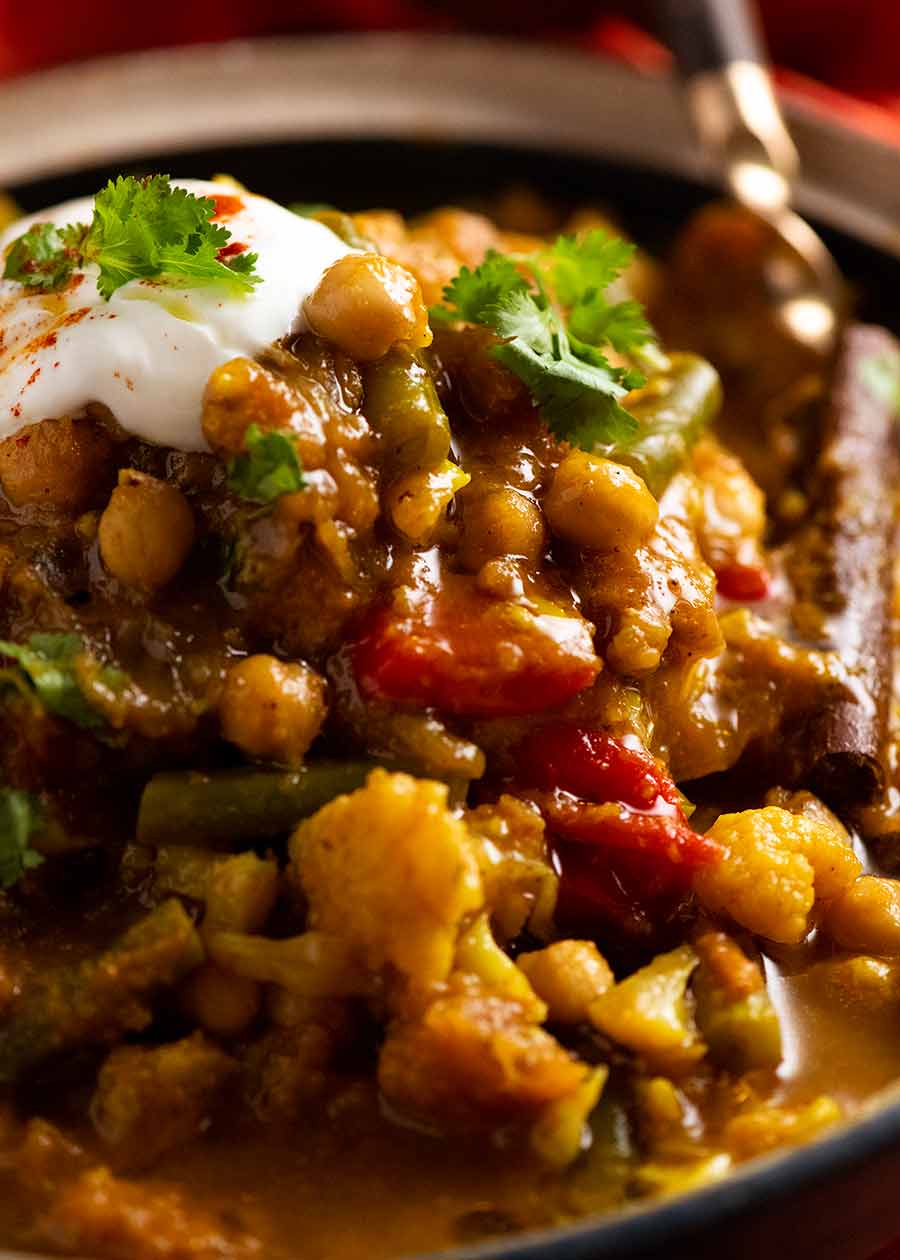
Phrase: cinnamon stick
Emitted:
{"points": [[841, 568]]}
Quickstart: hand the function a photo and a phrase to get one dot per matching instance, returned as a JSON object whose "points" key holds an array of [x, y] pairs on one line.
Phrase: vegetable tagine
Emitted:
{"points": [[449, 779]]}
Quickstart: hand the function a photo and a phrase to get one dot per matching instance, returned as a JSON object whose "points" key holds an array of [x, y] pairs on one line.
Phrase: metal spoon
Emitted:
{"points": [[736, 116]]}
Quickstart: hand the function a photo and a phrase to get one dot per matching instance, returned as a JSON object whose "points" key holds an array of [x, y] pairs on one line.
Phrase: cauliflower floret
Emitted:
{"points": [[392, 872], [472, 1058], [775, 865]]}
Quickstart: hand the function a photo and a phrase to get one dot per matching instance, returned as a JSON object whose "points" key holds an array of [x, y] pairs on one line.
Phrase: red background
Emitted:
{"points": [[854, 45]]}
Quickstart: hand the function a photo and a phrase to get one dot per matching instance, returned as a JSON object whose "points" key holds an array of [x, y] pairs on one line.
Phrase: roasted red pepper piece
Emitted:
{"points": [[592, 764], [623, 844], [745, 583], [455, 649], [664, 836]]}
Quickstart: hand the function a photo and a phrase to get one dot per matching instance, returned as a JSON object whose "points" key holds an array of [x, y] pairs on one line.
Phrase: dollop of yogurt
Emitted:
{"points": [[148, 352]]}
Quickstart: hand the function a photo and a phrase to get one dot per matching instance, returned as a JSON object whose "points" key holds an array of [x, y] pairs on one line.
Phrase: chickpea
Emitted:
{"points": [[867, 916], [568, 976], [502, 522], [365, 304], [242, 392], [417, 503], [383, 227], [223, 1004], [468, 236], [146, 531], [59, 464], [597, 503], [272, 709]]}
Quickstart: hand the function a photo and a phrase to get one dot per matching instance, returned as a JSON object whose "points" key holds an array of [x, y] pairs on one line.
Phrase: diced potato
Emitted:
{"points": [[660, 1112], [390, 870], [241, 894], [150, 1099], [473, 1058]]}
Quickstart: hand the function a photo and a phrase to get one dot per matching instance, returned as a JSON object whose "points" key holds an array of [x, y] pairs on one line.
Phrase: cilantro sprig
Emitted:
{"points": [[21, 818], [140, 229], [50, 664], [553, 317], [268, 467]]}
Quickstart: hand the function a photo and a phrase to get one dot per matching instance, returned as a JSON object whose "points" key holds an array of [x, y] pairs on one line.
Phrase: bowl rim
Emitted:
{"points": [[489, 91], [647, 1224], [414, 87]]}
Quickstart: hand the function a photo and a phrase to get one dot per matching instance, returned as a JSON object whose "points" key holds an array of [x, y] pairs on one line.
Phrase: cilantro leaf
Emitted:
{"points": [[584, 264], [268, 468], [40, 258], [551, 313], [141, 229], [623, 324], [49, 662], [578, 396], [21, 817], [473, 295]]}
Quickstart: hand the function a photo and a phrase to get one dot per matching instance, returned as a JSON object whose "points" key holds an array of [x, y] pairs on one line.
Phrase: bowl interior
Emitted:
{"points": [[413, 177]]}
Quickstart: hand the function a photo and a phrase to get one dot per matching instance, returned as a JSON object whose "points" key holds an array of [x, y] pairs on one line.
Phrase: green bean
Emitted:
{"points": [[673, 410], [232, 807], [402, 405], [94, 1002]]}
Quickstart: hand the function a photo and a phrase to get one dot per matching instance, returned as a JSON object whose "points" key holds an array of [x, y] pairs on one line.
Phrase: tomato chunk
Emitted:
{"points": [[455, 649], [745, 583]]}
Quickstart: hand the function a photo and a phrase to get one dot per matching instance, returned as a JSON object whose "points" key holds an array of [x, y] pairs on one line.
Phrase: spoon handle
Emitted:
{"points": [[709, 35], [730, 96]]}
